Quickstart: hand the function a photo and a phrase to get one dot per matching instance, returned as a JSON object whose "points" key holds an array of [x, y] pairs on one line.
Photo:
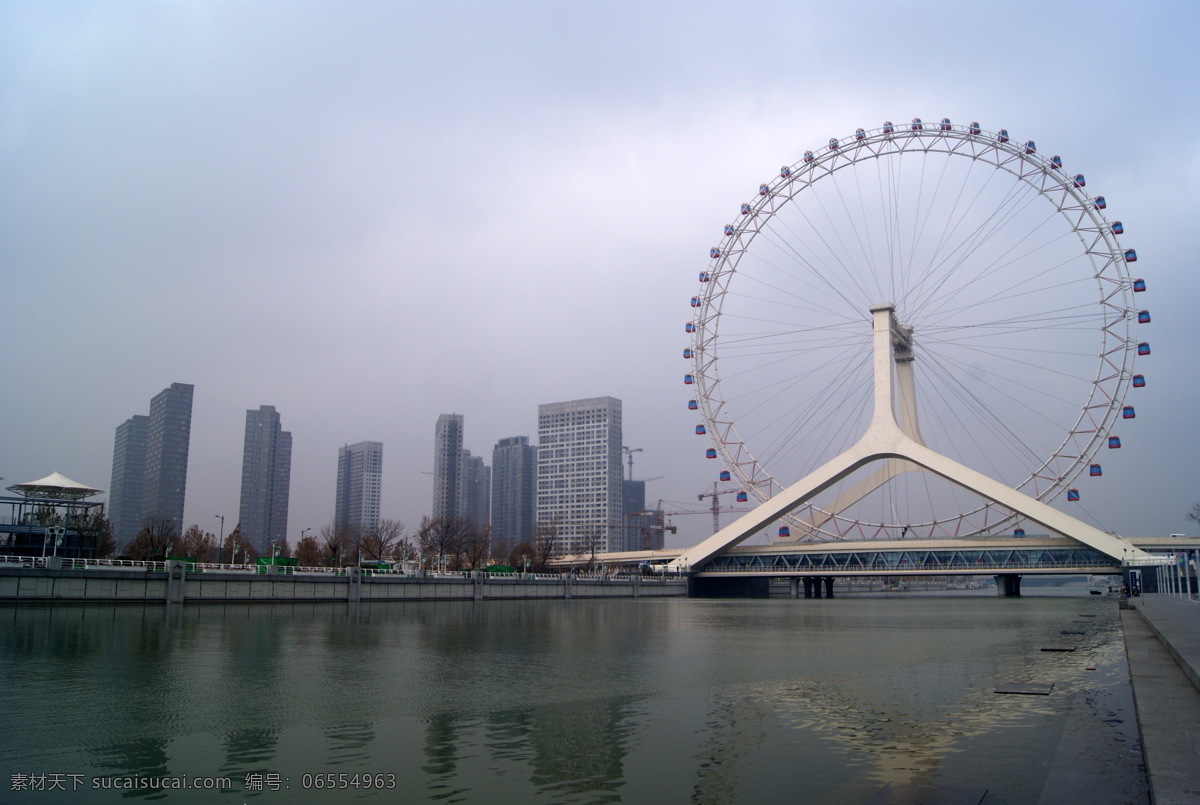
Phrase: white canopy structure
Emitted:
{"points": [[55, 485]]}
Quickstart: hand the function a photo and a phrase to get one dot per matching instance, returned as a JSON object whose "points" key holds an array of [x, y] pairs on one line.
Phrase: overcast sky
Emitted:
{"points": [[370, 213]]}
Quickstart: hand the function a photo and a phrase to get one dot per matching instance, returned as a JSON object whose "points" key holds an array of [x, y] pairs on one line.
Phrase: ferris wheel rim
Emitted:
{"points": [[1084, 217]]}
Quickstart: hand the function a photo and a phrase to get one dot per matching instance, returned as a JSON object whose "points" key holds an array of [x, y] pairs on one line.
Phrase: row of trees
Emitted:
{"points": [[159, 538], [334, 547], [449, 543]]}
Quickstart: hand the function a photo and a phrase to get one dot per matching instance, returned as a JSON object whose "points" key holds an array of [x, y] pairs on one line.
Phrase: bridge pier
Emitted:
{"points": [[175, 581], [808, 587], [1008, 585], [828, 586], [794, 586], [728, 587]]}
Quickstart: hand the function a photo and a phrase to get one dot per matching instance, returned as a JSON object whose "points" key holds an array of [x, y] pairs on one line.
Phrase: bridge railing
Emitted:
{"points": [[833, 570], [1179, 578], [160, 566]]}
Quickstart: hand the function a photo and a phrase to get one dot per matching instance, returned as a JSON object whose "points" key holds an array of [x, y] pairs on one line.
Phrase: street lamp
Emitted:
{"points": [[221, 539]]}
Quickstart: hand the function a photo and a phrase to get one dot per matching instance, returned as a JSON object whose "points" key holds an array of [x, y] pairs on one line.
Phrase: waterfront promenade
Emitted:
{"points": [[1162, 641]]}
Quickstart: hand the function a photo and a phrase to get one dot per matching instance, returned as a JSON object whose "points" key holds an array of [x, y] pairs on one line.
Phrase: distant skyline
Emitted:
{"points": [[368, 214]]}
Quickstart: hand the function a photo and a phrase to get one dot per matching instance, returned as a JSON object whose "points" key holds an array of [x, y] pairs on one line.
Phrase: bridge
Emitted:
{"points": [[1008, 558], [893, 443]]}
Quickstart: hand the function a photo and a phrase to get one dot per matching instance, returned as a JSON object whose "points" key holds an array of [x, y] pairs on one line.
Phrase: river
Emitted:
{"points": [[663, 701]]}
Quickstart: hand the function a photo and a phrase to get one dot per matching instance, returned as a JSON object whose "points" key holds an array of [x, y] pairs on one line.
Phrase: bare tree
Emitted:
{"points": [[335, 546], [405, 550], [521, 556], [381, 542], [1194, 514], [545, 544], [475, 546], [501, 549], [237, 544], [442, 539], [591, 541], [309, 552], [151, 543], [95, 534], [198, 543]]}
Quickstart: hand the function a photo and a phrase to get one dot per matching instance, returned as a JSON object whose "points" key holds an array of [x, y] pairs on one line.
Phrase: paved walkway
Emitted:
{"points": [[1162, 641]]}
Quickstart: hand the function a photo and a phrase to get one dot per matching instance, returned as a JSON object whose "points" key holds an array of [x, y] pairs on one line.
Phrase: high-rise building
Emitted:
{"points": [[158, 444], [633, 502], [128, 478], [514, 473], [579, 474], [266, 478], [359, 480], [645, 529], [448, 466], [167, 440], [477, 489], [461, 482]]}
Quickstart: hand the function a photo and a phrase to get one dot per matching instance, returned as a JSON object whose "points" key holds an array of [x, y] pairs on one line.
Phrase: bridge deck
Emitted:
{"points": [[958, 556]]}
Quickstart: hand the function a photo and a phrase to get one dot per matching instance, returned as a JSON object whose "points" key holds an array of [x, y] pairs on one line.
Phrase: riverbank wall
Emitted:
{"points": [[1162, 643], [174, 582]]}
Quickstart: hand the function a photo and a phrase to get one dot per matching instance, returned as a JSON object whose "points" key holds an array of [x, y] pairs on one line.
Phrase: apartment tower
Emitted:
{"points": [[448, 466], [359, 479], [514, 473], [128, 478], [579, 474], [266, 478]]}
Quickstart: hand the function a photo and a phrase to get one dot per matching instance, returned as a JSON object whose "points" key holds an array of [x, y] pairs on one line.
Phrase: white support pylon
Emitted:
{"points": [[885, 440], [902, 350]]}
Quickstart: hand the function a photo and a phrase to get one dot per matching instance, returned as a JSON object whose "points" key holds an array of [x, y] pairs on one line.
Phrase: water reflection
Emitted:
{"points": [[596, 701]]}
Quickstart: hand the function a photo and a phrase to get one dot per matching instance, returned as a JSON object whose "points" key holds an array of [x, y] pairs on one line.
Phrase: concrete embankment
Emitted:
{"points": [[175, 583], [1162, 641]]}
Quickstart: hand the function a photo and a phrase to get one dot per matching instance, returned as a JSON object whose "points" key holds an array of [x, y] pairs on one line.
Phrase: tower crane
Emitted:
{"points": [[716, 508], [629, 455]]}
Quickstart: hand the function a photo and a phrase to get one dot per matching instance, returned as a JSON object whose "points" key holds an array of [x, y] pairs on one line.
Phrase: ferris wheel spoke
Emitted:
{"points": [[953, 266], [817, 269]]}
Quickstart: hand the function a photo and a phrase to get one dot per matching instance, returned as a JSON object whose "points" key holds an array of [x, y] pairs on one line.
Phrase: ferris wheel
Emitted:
{"points": [[1014, 342]]}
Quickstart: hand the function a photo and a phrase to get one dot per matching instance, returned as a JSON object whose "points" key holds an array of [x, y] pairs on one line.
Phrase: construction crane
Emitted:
{"points": [[716, 506], [629, 455], [715, 510]]}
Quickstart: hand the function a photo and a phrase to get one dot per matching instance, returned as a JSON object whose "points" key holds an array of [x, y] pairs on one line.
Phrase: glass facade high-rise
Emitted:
{"points": [[579, 474], [514, 473], [359, 481], [167, 441], [150, 459], [128, 478], [266, 479]]}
